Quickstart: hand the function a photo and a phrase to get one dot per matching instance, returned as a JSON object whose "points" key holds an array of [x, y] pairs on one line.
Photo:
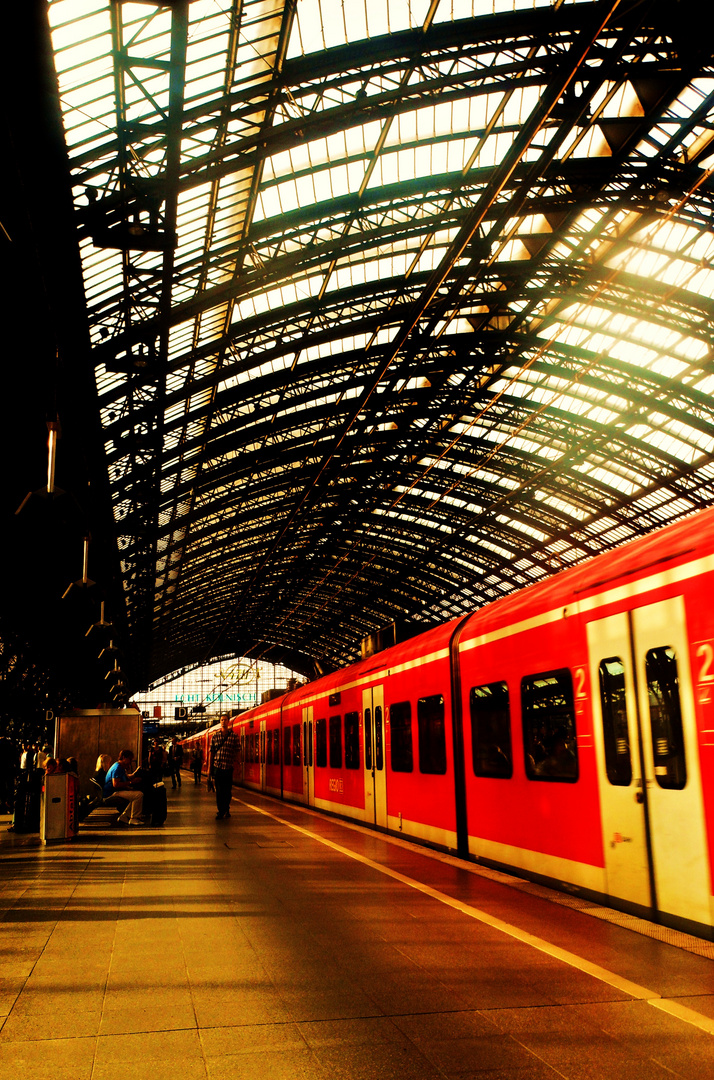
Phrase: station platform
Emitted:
{"points": [[283, 945]]}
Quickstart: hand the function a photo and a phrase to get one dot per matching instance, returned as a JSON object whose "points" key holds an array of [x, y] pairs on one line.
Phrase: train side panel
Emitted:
{"points": [[338, 733], [586, 705], [637, 824], [700, 623], [531, 783], [419, 745]]}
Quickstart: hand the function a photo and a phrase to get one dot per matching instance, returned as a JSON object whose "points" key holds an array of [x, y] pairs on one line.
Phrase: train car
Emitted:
{"points": [[565, 732]]}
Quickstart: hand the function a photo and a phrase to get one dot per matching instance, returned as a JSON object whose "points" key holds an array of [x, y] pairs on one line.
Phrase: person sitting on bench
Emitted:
{"points": [[120, 782], [101, 769]]}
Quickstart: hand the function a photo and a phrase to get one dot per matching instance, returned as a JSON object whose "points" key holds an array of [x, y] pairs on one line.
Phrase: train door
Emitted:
{"points": [[647, 748], [262, 754], [375, 773], [308, 760]]}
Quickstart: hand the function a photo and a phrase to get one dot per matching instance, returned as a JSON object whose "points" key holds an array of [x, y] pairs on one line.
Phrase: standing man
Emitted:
{"points": [[175, 761], [224, 751], [157, 759], [197, 764]]}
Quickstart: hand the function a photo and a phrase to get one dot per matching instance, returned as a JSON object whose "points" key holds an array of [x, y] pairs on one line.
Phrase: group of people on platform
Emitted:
{"points": [[22, 780], [131, 784], [135, 786]]}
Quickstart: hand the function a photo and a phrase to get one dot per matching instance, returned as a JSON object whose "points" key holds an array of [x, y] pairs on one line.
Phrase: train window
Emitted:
{"points": [[670, 767], [491, 730], [269, 752], [432, 738], [321, 743], [287, 749], [400, 716], [378, 739], [335, 742], [352, 740], [618, 761], [276, 747], [550, 745], [296, 744], [368, 738]]}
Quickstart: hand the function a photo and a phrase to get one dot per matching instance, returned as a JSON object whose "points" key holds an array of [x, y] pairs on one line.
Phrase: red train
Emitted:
{"points": [[565, 732]]}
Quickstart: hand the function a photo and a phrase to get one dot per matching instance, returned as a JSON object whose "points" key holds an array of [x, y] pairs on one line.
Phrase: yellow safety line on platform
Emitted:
{"points": [[674, 1008]]}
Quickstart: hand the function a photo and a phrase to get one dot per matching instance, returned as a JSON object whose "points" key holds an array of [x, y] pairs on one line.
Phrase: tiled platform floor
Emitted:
{"points": [[256, 948]]}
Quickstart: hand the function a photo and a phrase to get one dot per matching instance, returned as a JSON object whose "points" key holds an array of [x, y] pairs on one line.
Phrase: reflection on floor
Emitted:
{"points": [[285, 946]]}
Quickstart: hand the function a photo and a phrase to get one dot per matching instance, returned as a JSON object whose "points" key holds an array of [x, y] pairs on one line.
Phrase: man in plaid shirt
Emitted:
{"points": [[224, 751]]}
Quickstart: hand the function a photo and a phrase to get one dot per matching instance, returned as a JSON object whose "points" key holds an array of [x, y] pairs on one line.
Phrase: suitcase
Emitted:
{"points": [[159, 807], [28, 796]]}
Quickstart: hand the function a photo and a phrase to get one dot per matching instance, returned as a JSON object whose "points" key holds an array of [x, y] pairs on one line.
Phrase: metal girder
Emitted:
{"points": [[404, 323]]}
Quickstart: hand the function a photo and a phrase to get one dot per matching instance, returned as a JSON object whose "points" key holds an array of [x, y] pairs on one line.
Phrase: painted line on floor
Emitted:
{"points": [[634, 990]]}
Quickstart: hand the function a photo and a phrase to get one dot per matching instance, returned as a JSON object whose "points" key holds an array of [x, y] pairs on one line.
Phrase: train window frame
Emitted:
{"points": [[334, 738], [321, 743], [401, 746], [491, 739], [551, 757], [297, 744], [352, 740], [378, 739], [431, 734], [269, 748], [669, 758], [276, 746], [615, 723]]}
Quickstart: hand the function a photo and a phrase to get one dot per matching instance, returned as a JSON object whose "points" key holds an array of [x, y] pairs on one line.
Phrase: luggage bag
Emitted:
{"points": [[159, 807]]}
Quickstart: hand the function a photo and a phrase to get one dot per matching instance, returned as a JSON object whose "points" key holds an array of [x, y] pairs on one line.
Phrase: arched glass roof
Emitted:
{"points": [[395, 305]]}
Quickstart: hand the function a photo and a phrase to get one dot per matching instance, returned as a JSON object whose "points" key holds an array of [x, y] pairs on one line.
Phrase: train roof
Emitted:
{"points": [[688, 539]]}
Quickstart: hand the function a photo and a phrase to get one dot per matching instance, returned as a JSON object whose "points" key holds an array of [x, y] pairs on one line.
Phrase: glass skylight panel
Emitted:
{"points": [[103, 276], [205, 70], [229, 246], [514, 251], [531, 447], [609, 478], [668, 444]]}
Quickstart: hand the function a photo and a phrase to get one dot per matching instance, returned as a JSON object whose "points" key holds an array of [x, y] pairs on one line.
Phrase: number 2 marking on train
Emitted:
{"points": [[580, 682], [705, 652]]}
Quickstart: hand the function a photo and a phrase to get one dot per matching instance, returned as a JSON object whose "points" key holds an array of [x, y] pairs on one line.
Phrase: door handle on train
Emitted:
{"points": [[639, 796]]}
